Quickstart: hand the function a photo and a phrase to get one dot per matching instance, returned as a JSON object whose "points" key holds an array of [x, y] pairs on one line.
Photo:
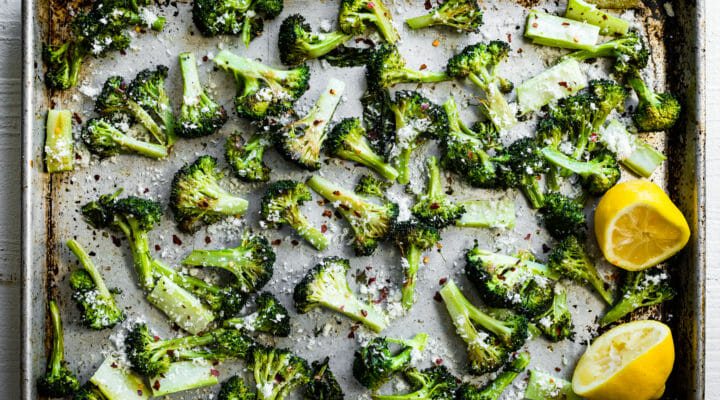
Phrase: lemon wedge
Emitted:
{"points": [[629, 362], [638, 226]]}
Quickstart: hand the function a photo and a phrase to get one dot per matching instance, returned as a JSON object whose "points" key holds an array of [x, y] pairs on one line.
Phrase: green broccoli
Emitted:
{"points": [[148, 90], [59, 147], [235, 389], [379, 118], [297, 42], [199, 114], [464, 15], [355, 15], [386, 67], [655, 111], [412, 238], [88, 391], [563, 216], [553, 130], [348, 140], [639, 289], [105, 139], [234, 17], [246, 158], [494, 389], [270, 317], [570, 258], [370, 186], [323, 385], [556, 323], [523, 168], [599, 174], [433, 207], [375, 364], [434, 383], [277, 372], [58, 381]]}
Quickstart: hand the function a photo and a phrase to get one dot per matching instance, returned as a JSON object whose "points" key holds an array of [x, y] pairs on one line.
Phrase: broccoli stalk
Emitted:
{"points": [[523, 168], [655, 111], [263, 91], [270, 317], [556, 323], [386, 67], [281, 204], [58, 381], [639, 289], [59, 151], [93, 297], [433, 207], [180, 305], [543, 386], [326, 285], [494, 389], [413, 237], [302, 140], [277, 372], [197, 198], [609, 24], [246, 158], [371, 223], [235, 389], [356, 14], [599, 174], [434, 383], [232, 17], [487, 214], [148, 90], [348, 140], [632, 152], [323, 385], [551, 30], [465, 15], [199, 114], [571, 259], [298, 43], [251, 262], [105, 139], [375, 364]]}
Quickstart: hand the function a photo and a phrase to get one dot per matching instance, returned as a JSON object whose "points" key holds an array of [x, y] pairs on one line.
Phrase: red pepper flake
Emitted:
{"points": [[364, 313], [294, 243], [434, 206], [156, 338], [140, 392], [342, 308], [327, 214], [208, 240], [169, 352], [344, 207], [422, 67], [519, 51], [367, 267], [371, 280], [509, 38], [558, 369], [565, 24], [438, 361], [534, 25], [156, 385], [527, 237], [332, 91], [276, 242], [428, 4], [113, 365], [357, 214], [604, 16], [383, 295], [502, 278], [594, 137], [157, 247], [351, 335], [214, 372], [424, 106], [563, 84], [177, 240], [336, 193], [323, 228], [205, 58], [576, 40], [437, 297], [97, 177], [77, 118], [436, 43], [539, 177], [442, 281], [317, 122], [371, 5], [279, 378], [321, 202]]}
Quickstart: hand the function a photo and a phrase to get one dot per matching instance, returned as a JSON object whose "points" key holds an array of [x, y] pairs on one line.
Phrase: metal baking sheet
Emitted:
{"points": [[51, 203]]}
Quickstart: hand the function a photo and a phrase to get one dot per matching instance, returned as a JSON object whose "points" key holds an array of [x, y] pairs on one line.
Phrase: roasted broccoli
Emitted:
{"points": [[94, 299], [379, 118], [434, 383], [301, 141], [570, 259], [556, 323], [148, 90], [150, 356], [523, 168], [63, 63], [263, 91], [233, 17], [88, 391], [599, 174], [197, 198], [105, 139], [465, 15], [412, 238], [297, 42], [270, 317], [375, 363], [655, 111], [370, 186], [323, 385], [199, 115], [251, 262], [58, 381], [348, 140], [246, 158], [325, 285], [639, 289], [505, 281], [479, 63], [355, 15], [235, 389], [277, 372], [133, 216], [370, 222], [433, 207], [386, 68], [563, 216], [494, 389], [553, 130], [281, 205]]}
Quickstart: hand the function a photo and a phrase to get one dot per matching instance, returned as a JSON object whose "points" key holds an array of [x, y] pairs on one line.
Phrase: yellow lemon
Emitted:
{"points": [[629, 362], [638, 226]]}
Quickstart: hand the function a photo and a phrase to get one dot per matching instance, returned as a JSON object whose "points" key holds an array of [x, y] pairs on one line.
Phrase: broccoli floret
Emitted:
{"points": [[466, 151], [639, 289], [629, 52], [263, 91], [224, 301], [150, 356], [277, 372], [434, 383], [323, 385], [281, 205], [571, 259], [251, 262], [326, 285], [233, 17], [655, 111], [386, 68], [105, 139], [417, 119], [523, 168], [270, 317], [505, 281], [199, 115], [370, 222], [88, 391], [301, 141], [297, 42], [563, 216], [375, 364], [58, 381], [479, 63], [197, 198], [355, 15], [348, 140], [556, 323], [552, 131], [235, 389], [63, 64], [465, 15], [433, 207], [412, 238], [599, 174], [246, 158], [148, 90], [494, 389], [133, 216], [368, 185], [379, 118], [96, 302]]}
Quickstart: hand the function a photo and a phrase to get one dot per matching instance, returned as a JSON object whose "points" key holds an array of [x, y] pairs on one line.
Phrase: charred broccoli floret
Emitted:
{"points": [[89, 391], [94, 299], [599, 174], [412, 238], [563, 216], [301, 141], [277, 372], [386, 68], [494, 389], [323, 385], [63, 64], [134, 217], [235, 389], [197, 198], [433, 207], [105, 139], [370, 186], [199, 115], [246, 158], [270, 317], [375, 363], [370, 222], [251, 262], [234, 17], [465, 15], [523, 168], [148, 90], [355, 15], [639, 289], [655, 111], [348, 140], [571, 259], [297, 42], [58, 381], [479, 63], [263, 91], [325, 285], [434, 383], [281, 205], [379, 118], [556, 323]]}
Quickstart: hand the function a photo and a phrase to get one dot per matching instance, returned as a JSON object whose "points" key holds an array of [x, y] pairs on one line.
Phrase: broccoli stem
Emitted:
{"points": [[225, 202], [246, 33], [454, 299], [359, 311], [495, 107], [364, 154], [403, 165], [561, 160], [147, 121], [458, 312], [193, 90], [551, 30], [414, 76], [487, 214], [322, 112], [625, 305], [141, 147], [412, 255], [643, 92], [141, 253], [414, 345], [59, 150], [305, 229], [491, 258], [533, 193], [186, 310], [116, 381], [609, 24], [504, 379], [434, 189], [57, 353], [542, 386], [381, 18], [423, 21], [562, 80], [181, 376], [643, 160], [330, 41], [89, 267], [229, 259]]}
